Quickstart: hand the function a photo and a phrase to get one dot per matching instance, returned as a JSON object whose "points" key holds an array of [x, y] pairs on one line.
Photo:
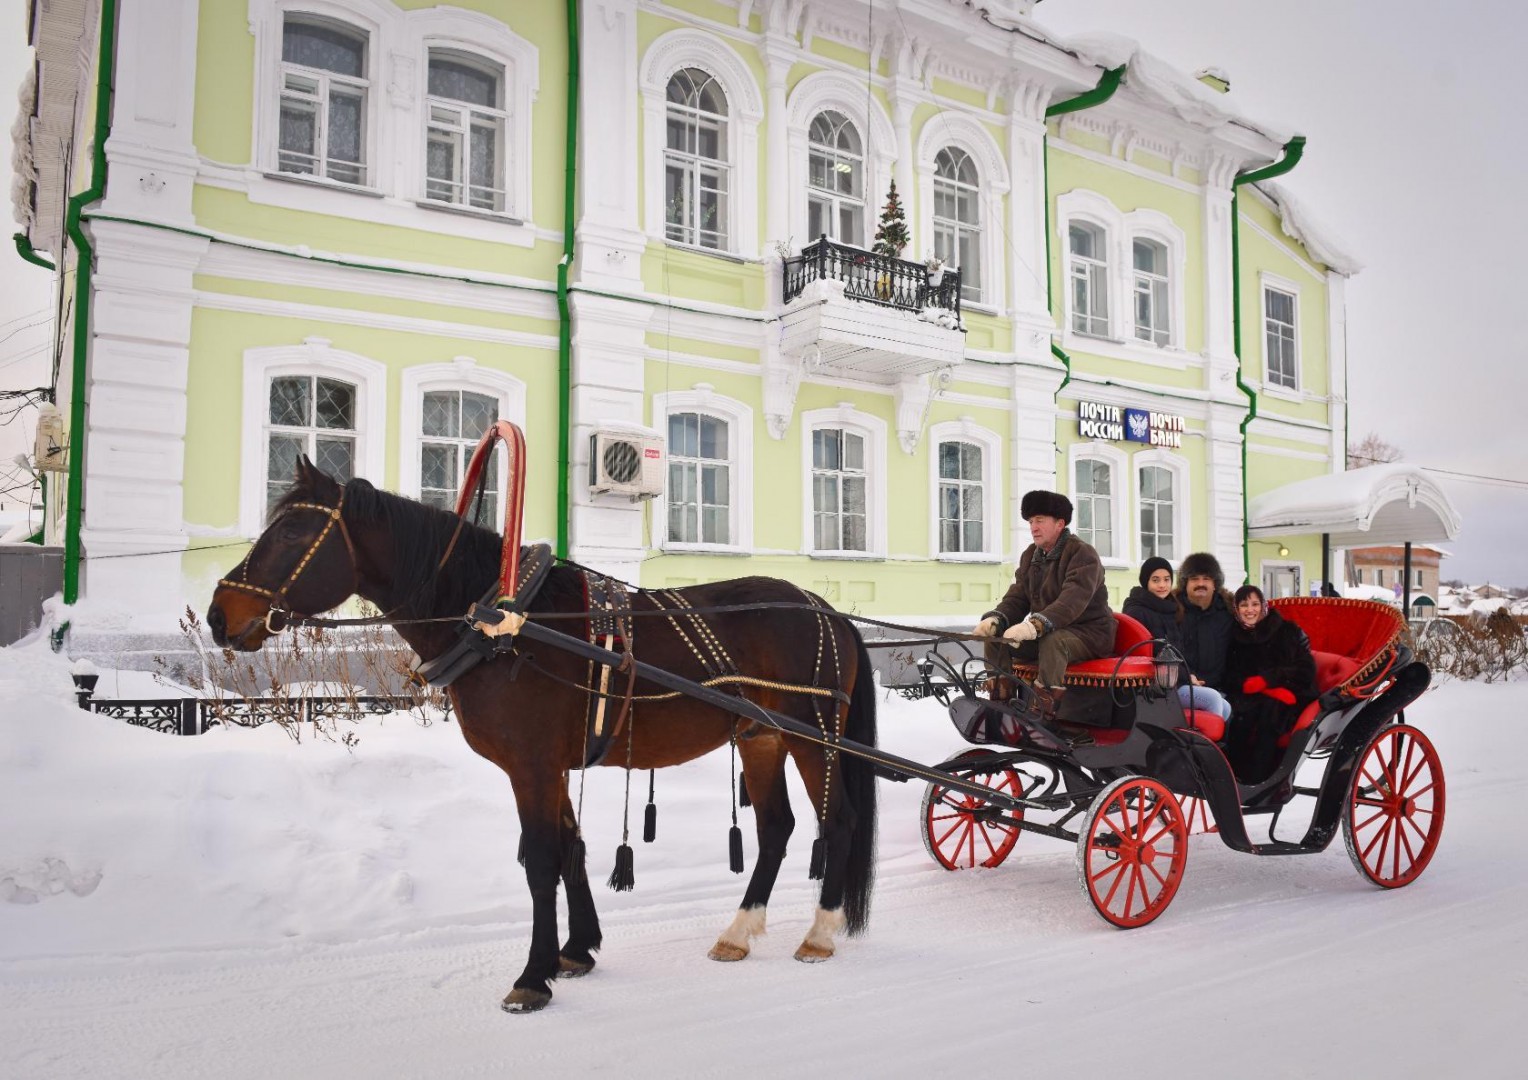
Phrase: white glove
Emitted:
{"points": [[1025, 630], [986, 628]]}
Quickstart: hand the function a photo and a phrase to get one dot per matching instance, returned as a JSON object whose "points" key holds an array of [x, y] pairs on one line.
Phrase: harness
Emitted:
{"points": [[277, 597]]}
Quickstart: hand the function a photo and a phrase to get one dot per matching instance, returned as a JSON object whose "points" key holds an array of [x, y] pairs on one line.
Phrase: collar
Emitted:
{"points": [[1055, 551]]}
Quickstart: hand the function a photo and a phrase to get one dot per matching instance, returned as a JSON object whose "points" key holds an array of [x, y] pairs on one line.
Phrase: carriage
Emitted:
{"points": [[1127, 774]]}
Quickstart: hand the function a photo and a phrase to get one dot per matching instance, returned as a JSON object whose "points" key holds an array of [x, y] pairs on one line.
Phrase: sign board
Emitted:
{"points": [[1111, 423]]}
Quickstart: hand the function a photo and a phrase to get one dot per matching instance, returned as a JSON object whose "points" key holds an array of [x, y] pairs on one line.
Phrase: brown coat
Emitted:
{"points": [[1067, 588]]}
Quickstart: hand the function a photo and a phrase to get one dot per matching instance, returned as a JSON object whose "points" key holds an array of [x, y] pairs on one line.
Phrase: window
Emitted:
{"points": [[957, 218], [1416, 579], [1156, 505], [1089, 276], [465, 131], [450, 425], [695, 170], [323, 100], [1279, 334], [699, 480], [960, 497], [839, 503], [1358, 576], [1152, 322], [309, 415], [835, 180], [1094, 505]]}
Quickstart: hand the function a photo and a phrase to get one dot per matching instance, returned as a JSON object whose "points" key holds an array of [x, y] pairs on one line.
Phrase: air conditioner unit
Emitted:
{"points": [[626, 463]]}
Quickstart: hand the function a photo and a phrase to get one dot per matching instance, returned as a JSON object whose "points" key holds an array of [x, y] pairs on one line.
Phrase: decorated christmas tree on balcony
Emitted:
{"points": [[891, 234]]}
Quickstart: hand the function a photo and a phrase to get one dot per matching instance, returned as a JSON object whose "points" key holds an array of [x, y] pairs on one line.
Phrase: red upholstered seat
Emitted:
{"points": [[1332, 669], [1136, 667], [1208, 724]]}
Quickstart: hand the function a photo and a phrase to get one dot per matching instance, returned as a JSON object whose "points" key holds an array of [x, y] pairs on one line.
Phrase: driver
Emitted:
{"points": [[1056, 612]]}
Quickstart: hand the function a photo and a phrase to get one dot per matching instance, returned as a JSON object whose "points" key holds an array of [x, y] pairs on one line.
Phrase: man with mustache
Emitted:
{"points": [[1208, 618], [1056, 612]]}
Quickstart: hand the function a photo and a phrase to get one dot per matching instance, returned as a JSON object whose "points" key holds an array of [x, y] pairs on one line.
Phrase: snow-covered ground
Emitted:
{"points": [[242, 905]]}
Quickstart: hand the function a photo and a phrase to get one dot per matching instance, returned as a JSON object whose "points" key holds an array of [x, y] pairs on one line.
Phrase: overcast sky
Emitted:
{"points": [[1415, 163]]}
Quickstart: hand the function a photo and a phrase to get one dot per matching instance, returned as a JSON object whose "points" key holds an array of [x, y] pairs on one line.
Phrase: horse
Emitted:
{"points": [[526, 711]]}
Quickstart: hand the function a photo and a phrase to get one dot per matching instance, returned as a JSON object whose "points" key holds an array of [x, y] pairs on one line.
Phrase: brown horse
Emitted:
{"points": [[325, 543]]}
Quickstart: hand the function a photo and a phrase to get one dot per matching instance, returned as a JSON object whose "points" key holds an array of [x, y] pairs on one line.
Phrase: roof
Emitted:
{"points": [[1378, 504]]}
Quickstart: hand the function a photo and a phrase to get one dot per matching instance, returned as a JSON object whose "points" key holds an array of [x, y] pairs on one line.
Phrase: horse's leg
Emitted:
{"points": [[764, 772], [837, 831], [577, 956], [539, 799]]}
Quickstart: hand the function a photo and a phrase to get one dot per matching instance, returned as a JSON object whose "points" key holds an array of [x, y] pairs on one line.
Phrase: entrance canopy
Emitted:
{"points": [[1379, 504]]}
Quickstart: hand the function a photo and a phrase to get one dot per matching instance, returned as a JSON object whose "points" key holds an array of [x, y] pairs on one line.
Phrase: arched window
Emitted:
{"points": [[696, 172], [962, 510], [1153, 321], [451, 424], [836, 180], [1088, 272], [465, 131], [1093, 498], [1157, 499], [324, 86], [957, 218], [312, 415], [699, 480]]}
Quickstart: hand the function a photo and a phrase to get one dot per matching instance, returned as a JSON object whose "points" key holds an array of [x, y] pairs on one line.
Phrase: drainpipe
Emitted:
{"points": [[26, 251], [1086, 100], [1293, 150], [564, 317], [84, 260]]}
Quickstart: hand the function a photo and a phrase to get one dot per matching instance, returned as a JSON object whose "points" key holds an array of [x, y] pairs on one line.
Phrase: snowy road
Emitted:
{"points": [[1264, 967]]}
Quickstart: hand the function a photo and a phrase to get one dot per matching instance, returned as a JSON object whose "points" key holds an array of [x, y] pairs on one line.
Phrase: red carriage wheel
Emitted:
{"points": [[1132, 850], [1395, 807], [1196, 815], [955, 831]]}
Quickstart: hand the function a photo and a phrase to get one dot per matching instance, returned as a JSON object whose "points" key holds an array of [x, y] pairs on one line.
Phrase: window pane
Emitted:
{"points": [[714, 525], [970, 461], [335, 404], [437, 467], [298, 135], [345, 135], [854, 532], [854, 451], [971, 504], [949, 501], [825, 532], [281, 460], [463, 82], [949, 536], [484, 173], [973, 536], [440, 414], [479, 412], [949, 460], [291, 404], [328, 48], [854, 495], [825, 494], [825, 448], [713, 437], [336, 457]]}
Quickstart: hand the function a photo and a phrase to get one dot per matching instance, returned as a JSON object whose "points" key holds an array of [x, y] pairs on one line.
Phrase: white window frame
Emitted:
{"points": [[839, 92], [966, 133], [1147, 224], [873, 430], [959, 228], [1157, 287], [689, 48], [834, 202], [1267, 282], [399, 43], [967, 430], [461, 373], [314, 356], [739, 419], [1182, 494], [499, 115], [1119, 470], [1100, 275]]}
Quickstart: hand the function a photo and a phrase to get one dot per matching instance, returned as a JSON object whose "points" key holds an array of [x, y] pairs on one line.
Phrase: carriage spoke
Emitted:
{"points": [[1394, 843]]}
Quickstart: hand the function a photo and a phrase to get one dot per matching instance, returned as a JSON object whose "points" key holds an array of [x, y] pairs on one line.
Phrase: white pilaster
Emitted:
{"points": [[777, 64], [1337, 365], [1029, 297], [1223, 454], [902, 105], [610, 241], [1033, 462], [1219, 344]]}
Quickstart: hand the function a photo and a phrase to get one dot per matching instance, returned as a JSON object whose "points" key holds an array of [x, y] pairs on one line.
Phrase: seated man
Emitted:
{"points": [[1057, 610]]}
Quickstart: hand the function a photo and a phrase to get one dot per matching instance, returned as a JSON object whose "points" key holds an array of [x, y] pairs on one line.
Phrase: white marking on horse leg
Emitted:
{"points": [[733, 944], [818, 945]]}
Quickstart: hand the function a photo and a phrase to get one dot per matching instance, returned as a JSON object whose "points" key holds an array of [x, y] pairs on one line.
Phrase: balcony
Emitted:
{"points": [[853, 312]]}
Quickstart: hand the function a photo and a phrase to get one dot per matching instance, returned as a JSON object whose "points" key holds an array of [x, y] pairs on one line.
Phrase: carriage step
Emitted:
{"points": [[1283, 847]]}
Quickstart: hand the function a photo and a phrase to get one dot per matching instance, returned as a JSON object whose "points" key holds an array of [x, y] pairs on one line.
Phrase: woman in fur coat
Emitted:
{"points": [[1270, 678]]}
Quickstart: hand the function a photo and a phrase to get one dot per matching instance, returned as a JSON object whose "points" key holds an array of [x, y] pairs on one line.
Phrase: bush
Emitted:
{"points": [[1487, 649]]}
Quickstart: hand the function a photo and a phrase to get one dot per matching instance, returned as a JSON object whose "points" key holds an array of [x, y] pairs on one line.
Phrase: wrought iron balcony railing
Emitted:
{"points": [[872, 278]]}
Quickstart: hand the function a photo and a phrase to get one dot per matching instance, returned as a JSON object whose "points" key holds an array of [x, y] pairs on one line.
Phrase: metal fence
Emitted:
{"points": [[872, 277], [194, 716]]}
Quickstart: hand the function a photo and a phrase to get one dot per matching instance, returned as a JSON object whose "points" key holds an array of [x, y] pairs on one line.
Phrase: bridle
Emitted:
{"points": [[277, 597]]}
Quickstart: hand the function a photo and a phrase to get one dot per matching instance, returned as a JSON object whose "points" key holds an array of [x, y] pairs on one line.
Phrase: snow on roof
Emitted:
{"points": [[1382, 593], [1158, 81], [1486, 607], [1300, 225], [1378, 504]]}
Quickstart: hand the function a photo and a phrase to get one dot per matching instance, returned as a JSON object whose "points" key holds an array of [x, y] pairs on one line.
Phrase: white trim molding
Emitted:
{"points": [[314, 356], [1119, 473], [688, 48], [739, 419], [991, 444], [461, 373], [873, 429]]}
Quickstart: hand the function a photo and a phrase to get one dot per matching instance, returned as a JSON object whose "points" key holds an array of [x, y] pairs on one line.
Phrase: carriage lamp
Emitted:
{"points": [[925, 675], [1167, 673], [85, 678]]}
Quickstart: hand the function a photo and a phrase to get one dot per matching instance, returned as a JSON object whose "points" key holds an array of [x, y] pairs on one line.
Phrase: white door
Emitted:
{"points": [[1281, 579]]}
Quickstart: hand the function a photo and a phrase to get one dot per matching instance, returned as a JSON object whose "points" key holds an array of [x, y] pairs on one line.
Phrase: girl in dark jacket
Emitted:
{"points": [[1156, 607], [1271, 677]]}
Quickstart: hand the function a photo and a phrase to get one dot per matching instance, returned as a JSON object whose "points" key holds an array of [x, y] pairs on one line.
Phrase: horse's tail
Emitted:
{"points": [[859, 785]]}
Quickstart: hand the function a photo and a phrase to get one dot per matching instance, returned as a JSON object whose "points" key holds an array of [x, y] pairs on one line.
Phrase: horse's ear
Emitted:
{"points": [[305, 470]]}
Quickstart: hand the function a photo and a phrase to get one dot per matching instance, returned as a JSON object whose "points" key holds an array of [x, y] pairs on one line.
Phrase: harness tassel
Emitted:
{"points": [[735, 849], [650, 815], [742, 792], [623, 877], [819, 863], [573, 870]]}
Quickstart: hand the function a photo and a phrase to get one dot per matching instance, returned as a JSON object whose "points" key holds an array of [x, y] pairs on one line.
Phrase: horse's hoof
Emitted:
{"points": [[727, 952], [523, 1000], [813, 954], [569, 968]]}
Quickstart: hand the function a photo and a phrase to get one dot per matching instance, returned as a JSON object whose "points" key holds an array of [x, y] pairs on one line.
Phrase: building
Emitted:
{"points": [[359, 229], [1385, 567]]}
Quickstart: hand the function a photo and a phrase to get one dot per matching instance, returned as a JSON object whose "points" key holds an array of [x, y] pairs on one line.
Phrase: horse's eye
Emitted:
{"points": [[290, 532]]}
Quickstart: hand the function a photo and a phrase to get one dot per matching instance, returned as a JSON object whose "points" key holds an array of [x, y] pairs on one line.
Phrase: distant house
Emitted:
{"points": [[1385, 567]]}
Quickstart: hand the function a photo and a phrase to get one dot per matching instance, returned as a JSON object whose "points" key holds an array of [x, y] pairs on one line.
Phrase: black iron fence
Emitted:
{"points": [[872, 278], [193, 716]]}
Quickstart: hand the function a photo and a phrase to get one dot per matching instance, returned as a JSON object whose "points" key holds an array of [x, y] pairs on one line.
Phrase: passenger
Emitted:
{"points": [[1208, 619], [1272, 677], [1056, 612], [1156, 607]]}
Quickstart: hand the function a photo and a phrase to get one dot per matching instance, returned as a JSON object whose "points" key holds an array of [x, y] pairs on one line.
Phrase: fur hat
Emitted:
{"points": [[1151, 566], [1047, 503], [1201, 564]]}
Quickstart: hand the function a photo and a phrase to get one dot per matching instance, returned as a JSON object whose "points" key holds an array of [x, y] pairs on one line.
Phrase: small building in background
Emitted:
{"points": [[1385, 567]]}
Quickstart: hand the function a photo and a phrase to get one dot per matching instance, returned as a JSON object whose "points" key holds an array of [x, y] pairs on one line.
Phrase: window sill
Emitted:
{"points": [[727, 550], [1131, 350], [727, 256], [468, 211], [847, 556], [973, 557], [1112, 562], [324, 184], [979, 307], [1284, 393]]}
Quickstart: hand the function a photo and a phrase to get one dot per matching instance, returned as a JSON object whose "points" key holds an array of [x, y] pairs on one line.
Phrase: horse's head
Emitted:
{"points": [[302, 564]]}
